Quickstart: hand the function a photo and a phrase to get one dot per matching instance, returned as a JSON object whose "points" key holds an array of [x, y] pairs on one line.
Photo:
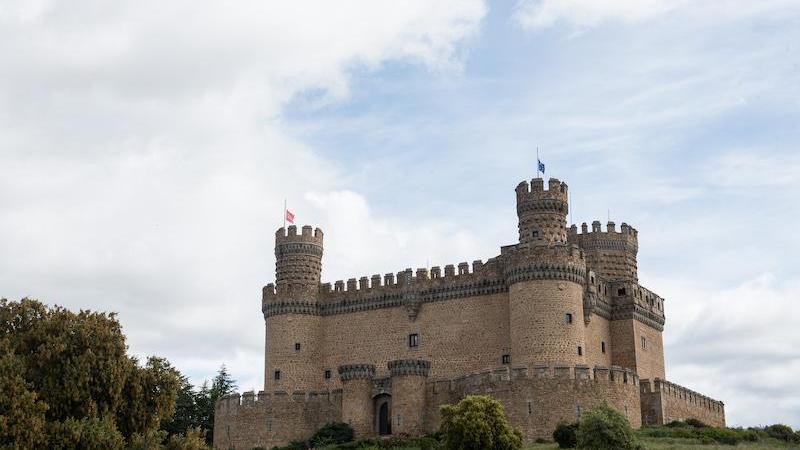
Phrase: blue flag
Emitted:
{"points": [[541, 166]]}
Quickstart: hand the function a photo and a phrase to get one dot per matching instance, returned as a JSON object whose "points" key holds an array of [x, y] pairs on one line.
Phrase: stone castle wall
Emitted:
{"points": [[275, 418], [536, 398], [664, 402]]}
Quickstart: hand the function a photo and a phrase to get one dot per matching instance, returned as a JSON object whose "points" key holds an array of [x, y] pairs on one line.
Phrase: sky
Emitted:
{"points": [[147, 147]]}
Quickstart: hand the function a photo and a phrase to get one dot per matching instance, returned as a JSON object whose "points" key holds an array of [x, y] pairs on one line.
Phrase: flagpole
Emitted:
{"points": [[537, 162], [284, 213]]}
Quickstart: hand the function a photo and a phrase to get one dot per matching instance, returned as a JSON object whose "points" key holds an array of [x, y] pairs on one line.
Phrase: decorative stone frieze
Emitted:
{"points": [[349, 372], [409, 367]]}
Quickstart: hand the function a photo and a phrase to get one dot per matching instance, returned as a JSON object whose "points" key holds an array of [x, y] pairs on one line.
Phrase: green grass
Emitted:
{"points": [[689, 444]]}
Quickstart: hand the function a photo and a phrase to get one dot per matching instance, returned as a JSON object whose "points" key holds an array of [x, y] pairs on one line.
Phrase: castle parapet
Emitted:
{"points": [[610, 253], [663, 402]]}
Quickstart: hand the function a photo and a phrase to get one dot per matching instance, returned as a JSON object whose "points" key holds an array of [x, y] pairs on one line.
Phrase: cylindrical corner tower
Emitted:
{"points": [[610, 253], [408, 395], [545, 276], [546, 305], [357, 397], [542, 213], [293, 324]]}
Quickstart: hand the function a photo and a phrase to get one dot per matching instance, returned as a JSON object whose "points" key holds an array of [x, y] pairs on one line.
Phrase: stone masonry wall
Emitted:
{"points": [[536, 398], [270, 419], [457, 336], [663, 402]]}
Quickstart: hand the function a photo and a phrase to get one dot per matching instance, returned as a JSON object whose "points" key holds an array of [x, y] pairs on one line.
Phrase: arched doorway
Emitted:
{"points": [[383, 414]]}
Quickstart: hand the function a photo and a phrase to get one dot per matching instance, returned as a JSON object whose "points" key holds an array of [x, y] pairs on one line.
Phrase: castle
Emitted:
{"points": [[550, 327]]}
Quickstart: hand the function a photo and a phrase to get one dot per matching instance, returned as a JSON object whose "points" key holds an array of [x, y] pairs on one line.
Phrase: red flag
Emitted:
{"points": [[289, 217]]}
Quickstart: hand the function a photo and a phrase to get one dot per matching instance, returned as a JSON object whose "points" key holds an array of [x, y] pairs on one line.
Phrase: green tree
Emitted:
{"points": [[22, 413], [70, 376], [478, 422], [605, 428], [186, 415], [222, 384]]}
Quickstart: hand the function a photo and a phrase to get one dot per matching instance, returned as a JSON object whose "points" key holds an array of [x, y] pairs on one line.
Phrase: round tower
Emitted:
{"points": [[545, 276], [292, 318], [542, 213], [298, 262], [408, 395], [611, 254]]}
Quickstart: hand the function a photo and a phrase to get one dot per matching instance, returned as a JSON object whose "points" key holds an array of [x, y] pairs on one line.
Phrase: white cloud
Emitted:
{"points": [[535, 14], [145, 163], [738, 344]]}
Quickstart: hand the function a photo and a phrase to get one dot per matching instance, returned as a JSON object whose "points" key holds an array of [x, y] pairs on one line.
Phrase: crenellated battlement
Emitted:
{"points": [[663, 402], [600, 374], [610, 253], [289, 235], [542, 212], [556, 190], [408, 277], [596, 237], [682, 393], [232, 403]]}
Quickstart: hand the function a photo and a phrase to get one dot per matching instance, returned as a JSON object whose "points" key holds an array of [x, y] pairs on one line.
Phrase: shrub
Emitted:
{"points": [[332, 433], [677, 424], [781, 432], [604, 428], [194, 439], [478, 422], [294, 445], [696, 423], [566, 435]]}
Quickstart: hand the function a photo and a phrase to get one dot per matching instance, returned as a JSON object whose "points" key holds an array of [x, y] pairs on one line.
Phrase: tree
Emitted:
{"points": [[186, 415], [566, 435], [70, 381], [603, 427], [478, 422], [22, 413], [222, 384]]}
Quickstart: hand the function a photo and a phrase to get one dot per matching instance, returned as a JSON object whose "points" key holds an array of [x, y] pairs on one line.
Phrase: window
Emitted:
{"points": [[621, 292], [506, 359], [277, 375], [413, 340], [327, 374], [530, 407], [568, 318], [297, 346], [603, 347], [644, 343], [535, 234], [580, 351]]}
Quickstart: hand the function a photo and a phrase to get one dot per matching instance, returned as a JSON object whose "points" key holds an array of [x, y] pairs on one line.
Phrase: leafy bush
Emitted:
{"points": [[781, 432], [566, 435], [294, 445], [603, 427], [478, 422], [695, 423], [678, 424], [332, 433]]}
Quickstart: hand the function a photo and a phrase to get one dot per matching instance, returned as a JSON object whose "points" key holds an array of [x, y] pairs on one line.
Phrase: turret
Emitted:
{"points": [[545, 278], [611, 253], [298, 262], [293, 324], [542, 213]]}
